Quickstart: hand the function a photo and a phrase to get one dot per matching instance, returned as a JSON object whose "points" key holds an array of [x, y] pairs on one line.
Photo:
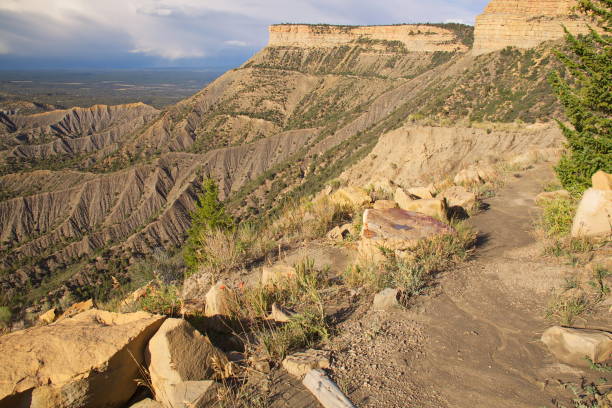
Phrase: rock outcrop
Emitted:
{"points": [[182, 364], [414, 37], [89, 360], [524, 24]]}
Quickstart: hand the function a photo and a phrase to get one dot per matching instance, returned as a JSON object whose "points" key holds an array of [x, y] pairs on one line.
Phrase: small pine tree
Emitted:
{"points": [[209, 214], [587, 98]]}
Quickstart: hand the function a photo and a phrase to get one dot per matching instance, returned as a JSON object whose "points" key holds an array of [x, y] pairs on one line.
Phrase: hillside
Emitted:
{"points": [[83, 189]]}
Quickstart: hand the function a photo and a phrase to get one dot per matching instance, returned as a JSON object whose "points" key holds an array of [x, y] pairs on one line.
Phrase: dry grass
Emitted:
{"points": [[413, 272]]}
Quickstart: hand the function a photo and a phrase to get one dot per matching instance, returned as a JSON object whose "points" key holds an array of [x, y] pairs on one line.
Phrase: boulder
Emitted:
{"points": [[602, 181], [386, 299], [218, 300], [458, 196], [384, 204], [434, 207], [594, 215], [423, 192], [77, 308], [551, 195], [75, 362], [181, 363], [147, 403], [47, 317], [468, 177], [353, 196], [396, 230], [340, 233], [402, 198], [486, 172], [299, 364], [271, 275], [573, 346]]}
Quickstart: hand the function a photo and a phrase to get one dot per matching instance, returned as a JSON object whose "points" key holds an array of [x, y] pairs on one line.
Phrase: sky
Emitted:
{"points": [[183, 33]]}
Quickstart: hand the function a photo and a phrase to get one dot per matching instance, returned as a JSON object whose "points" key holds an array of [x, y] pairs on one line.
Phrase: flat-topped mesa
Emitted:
{"points": [[524, 24], [416, 38]]}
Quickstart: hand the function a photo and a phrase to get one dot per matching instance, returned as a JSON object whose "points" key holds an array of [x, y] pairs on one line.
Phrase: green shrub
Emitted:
{"points": [[557, 216], [5, 316]]}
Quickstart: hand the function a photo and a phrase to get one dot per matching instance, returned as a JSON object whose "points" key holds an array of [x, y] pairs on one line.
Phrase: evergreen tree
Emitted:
{"points": [[209, 214], [585, 93]]}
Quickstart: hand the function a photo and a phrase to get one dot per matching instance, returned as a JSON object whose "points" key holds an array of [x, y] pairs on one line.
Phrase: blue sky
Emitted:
{"points": [[164, 33]]}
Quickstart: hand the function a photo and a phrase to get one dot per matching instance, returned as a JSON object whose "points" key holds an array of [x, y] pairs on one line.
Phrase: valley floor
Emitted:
{"points": [[474, 340]]}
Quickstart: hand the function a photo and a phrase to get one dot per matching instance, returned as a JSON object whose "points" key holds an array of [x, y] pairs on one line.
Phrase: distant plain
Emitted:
{"points": [[68, 88]]}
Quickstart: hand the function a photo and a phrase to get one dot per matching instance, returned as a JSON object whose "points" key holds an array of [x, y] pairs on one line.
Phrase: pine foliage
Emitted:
{"points": [[584, 89]]}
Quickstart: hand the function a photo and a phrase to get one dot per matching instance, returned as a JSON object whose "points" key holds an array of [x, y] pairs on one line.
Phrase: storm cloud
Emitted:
{"points": [[175, 32]]}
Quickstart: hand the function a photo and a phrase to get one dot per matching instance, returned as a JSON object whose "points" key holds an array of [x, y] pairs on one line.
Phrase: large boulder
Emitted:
{"points": [[594, 215], [574, 346], [396, 230], [423, 192], [89, 360], [353, 196], [602, 181], [458, 196], [434, 207], [182, 364]]}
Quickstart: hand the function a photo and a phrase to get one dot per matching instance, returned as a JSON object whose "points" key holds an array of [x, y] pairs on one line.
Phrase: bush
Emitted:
{"points": [[557, 216], [5, 316]]}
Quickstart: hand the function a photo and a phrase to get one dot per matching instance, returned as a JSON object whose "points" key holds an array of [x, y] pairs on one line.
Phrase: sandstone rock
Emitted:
{"points": [[135, 296], [47, 317], [397, 230], [467, 176], [602, 181], [299, 364], [384, 204], [594, 215], [180, 362], [381, 185], [551, 195], [353, 196], [524, 24], [572, 346], [147, 403], [434, 207], [195, 288], [486, 172], [414, 37], [275, 274], [77, 308], [218, 300], [423, 192], [75, 362], [280, 314], [386, 299], [402, 198], [340, 233], [458, 196]]}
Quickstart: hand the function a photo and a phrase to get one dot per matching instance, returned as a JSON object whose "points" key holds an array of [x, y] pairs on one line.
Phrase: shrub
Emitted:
{"points": [[557, 216], [5, 316]]}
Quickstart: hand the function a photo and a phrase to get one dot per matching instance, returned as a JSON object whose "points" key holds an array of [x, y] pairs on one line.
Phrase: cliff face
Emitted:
{"points": [[415, 38], [524, 24]]}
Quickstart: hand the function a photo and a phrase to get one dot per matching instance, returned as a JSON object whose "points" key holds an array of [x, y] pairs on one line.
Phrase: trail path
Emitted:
{"points": [[474, 341]]}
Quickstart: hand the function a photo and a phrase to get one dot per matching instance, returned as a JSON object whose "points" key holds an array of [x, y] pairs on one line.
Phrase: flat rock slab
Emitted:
{"points": [[574, 346], [399, 229], [76, 361]]}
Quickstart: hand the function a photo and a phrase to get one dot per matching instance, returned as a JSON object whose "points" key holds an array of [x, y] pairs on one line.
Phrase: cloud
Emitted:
{"points": [[174, 30]]}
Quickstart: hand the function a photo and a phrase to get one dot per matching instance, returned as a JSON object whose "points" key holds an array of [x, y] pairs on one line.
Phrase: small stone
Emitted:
{"points": [[48, 317], [218, 300], [280, 314], [299, 364], [573, 346], [385, 300], [458, 196]]}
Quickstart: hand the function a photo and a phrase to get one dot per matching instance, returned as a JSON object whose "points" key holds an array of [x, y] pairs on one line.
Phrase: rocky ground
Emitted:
{"points": [[474, 339]]}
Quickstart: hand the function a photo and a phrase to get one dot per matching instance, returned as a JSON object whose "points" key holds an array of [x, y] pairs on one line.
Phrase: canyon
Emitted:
{"points": [[84, 187]]}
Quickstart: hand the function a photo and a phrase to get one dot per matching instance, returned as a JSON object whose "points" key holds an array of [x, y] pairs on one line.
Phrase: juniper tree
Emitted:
{"points": [[209, 214], [584, 90]]}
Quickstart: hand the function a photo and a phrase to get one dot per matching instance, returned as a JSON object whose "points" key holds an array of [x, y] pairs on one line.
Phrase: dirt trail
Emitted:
{"points": [[474, 341]]}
